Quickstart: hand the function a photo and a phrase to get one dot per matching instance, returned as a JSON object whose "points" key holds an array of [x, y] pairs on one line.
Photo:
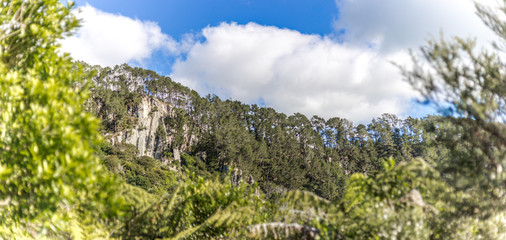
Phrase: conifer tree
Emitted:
{"points": [[468, 85]]}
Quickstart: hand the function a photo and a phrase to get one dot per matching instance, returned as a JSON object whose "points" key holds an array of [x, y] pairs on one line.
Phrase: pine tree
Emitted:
{"points": [[469, 88]]}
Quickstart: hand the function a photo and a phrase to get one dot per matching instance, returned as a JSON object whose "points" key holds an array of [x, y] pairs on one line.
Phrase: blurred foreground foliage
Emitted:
{"points": [[51, 183]]}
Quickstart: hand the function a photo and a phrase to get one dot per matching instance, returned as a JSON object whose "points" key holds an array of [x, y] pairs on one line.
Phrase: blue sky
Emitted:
{"points": [[178, 17], [317, 57]]}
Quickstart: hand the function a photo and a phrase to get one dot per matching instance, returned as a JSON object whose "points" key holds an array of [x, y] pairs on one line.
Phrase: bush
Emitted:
{"points": [[148, 163], [111, 162]]}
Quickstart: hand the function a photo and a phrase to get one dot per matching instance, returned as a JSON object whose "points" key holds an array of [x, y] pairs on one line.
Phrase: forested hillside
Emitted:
{"points": [[88, 152], [180, 129]]}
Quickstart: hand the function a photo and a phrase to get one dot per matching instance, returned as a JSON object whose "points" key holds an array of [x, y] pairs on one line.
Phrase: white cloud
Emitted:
{"points": [[287, 70], [391, 25], [294, 72], [110, 39]]}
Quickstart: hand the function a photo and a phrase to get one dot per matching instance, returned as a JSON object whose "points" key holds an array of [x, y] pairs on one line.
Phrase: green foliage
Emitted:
{"points": [[196, 209], [112, 99], [52, 184], [177, 124], [46, 159], [194, 165], [299, 215], [142, 171], [469, 87], [399, 203], [388, 205], [187, 160], [160, 134], [112, 163], [405, 201], [146, 162], [278, 152]]}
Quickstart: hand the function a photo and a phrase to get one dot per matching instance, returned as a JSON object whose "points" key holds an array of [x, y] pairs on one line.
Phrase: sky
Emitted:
{"points": [[331, 58]]}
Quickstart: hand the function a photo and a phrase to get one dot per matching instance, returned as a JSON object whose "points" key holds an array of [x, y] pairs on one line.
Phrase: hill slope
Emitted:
{"points": [[164, 120]]}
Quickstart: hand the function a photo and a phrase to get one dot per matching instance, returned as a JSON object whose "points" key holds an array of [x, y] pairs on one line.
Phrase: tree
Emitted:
{"points": [[468, 85], [47, 167], [469, 88], [462, 195]]}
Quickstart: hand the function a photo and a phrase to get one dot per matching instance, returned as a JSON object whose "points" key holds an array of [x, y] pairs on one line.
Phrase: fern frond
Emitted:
{"points": [[221, 218], [304, 199], [279, 230]]}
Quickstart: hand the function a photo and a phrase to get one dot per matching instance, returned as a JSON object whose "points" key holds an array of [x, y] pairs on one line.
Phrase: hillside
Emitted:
{"points": [[165, 120]]}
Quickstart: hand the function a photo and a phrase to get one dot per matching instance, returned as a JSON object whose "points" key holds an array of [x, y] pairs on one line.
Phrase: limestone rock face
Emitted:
{"points": [[152, 135], [150, 115]]}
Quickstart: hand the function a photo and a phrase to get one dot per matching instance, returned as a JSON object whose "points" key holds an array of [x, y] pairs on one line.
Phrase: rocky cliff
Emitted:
{"points": [[153, 125], [150, 114]]}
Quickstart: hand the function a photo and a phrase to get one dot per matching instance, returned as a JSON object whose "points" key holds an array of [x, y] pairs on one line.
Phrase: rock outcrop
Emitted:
{"points": [[156, 127], [150, 114], [152, 136]]}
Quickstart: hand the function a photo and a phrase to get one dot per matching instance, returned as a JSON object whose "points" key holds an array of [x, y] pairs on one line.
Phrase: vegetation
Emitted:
{"points": [[279, 152], [50, 180], [226, 170]]}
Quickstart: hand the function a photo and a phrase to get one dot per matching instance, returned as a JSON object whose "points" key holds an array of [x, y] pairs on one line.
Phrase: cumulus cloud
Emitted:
{"points": [[311, 74], [390, 25], [294, 72], [109, 39], [349, 77]]}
